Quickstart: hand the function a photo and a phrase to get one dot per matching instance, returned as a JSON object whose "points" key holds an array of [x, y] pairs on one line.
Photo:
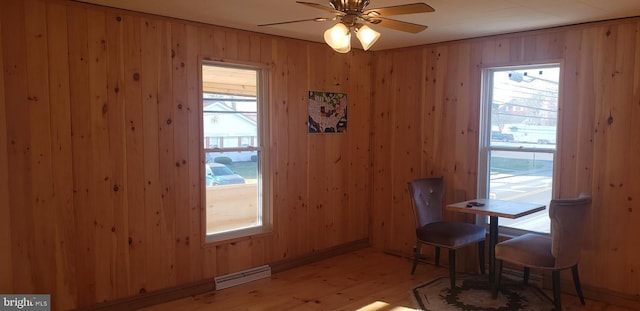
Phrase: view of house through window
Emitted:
{"points": [[518, 143], [233, 153]]}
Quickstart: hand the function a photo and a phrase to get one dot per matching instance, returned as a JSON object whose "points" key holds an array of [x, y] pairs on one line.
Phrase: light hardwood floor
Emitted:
{"points": [[366, 279]]}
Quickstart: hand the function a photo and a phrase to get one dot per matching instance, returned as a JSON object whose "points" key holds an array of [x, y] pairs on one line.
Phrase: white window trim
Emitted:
{"points": [[264, 181], [484, 141]]}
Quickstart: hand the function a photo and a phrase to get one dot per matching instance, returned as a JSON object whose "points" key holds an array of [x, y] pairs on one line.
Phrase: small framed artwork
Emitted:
{"points": [[327, 112]]}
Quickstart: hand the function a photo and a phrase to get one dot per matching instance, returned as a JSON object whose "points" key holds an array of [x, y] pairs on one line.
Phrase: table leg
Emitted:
{"points": [[493, 240]]}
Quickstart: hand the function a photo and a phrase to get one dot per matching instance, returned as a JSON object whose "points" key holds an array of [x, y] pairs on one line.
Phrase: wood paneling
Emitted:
{"points": [[100, 161], [600, 103], [6, 267]]}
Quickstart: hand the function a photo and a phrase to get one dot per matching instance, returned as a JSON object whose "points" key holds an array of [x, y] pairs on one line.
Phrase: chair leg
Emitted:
{"points": [[481, 256], [557, 294], [452, 267], [496, 284], [576, 281], [525, 276], [416, 256], [437, 256]]}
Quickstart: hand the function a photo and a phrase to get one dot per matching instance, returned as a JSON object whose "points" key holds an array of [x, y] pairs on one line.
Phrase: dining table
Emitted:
{"points": [[495, 209]]}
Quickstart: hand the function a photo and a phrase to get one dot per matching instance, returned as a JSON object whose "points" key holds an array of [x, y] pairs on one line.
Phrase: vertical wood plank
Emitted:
{"points": [[85, 213], [239, 255], [231, 48], [62, 156], [343, 174], [19, 145], [254, 48], [617, 122], [196, 231], [549, 45], [40, 146], [633, 193], [566, 156], [405, 136], [100, 179], [267, 56], [466, 131], [222, 259], [604, 66], [6, 264], [444, 112], [280, 147], [116, 123], [429, 114], [295, 148], [467, 124], [358, 145], [134, 136], [218, 46], [529, 48], [587, 70], [244, 46], [454, 110], [321, 154], [516, 47], [209, 263], [382, 93], [206, 42], [166, 126], [181, 140], [154, 217], [503, 49]]}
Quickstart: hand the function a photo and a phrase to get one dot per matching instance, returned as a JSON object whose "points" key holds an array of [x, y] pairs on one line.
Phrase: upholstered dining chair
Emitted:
{"points": [[555, 252], [426, 199]]}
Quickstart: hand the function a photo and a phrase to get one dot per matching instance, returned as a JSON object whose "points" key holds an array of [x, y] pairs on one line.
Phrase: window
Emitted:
{"points": [[518, 138], [233, 127]]}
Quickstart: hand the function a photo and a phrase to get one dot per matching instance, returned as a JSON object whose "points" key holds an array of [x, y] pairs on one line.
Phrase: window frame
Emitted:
{"points": [[263, 161], [484, 141]]}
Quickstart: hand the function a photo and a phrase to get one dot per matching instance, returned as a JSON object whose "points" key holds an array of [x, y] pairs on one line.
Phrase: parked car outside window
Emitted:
{"points": [[220, 174], [495, 135]]}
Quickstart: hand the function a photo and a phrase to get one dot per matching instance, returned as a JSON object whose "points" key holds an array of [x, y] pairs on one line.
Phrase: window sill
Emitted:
{"points": [[214, 240]]}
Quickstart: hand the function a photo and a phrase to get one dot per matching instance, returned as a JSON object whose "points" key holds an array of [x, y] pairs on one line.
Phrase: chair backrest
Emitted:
{"points": [[568, 219], [426, 199]]}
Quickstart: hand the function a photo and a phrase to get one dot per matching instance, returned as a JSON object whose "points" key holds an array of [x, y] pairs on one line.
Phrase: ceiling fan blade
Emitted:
{"points": [[400, 10], [317, 19], [397, 25], [321, 7]]}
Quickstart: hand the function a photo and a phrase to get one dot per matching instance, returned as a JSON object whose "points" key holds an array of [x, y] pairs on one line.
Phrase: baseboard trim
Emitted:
{"points": [[207, 285], [286, 264], [155, 297], [603, 295]]}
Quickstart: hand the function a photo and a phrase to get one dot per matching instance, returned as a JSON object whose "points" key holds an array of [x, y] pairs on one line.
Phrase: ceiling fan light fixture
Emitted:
{"points": [[367, 36], [345, 48], [338, 38], [352, 15]]}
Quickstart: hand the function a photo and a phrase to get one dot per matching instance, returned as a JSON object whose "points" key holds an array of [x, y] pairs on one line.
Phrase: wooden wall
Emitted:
{"points": [[426, 117], [100, 170], [100, 194]]}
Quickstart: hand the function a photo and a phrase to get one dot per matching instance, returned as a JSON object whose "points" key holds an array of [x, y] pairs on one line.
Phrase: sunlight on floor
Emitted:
{"points": [[381, 305]]}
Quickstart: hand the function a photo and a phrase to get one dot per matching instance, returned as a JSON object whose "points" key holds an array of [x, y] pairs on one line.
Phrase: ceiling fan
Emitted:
{"points": [[352, 14]]}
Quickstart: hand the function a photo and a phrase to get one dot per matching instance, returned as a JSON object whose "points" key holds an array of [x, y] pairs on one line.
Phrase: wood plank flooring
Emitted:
{"points": [[366, 279]]}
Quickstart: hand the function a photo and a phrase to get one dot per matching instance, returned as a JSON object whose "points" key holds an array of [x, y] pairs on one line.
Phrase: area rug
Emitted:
{"points": [[436, 295]]}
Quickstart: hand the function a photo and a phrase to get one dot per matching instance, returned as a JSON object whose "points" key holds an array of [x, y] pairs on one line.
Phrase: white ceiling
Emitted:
{"points": [[452, 19]]}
